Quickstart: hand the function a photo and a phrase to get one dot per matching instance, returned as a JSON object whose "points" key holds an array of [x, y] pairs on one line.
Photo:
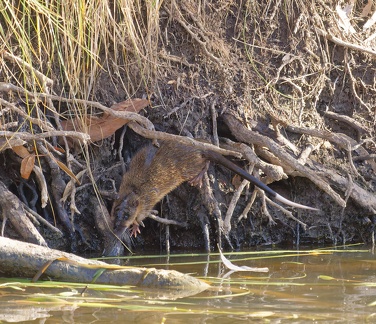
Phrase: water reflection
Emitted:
{"points": [[320, 286]]}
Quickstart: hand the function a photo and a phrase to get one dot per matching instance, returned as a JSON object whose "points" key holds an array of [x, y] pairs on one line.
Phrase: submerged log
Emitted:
{"points": [[19, 259]]}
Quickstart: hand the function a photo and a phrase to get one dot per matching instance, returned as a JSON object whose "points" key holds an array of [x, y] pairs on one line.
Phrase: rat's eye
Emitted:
{"points": [[133, 203]]}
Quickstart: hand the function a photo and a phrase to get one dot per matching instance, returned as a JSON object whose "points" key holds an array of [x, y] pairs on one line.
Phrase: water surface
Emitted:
{"points": [[319, 286]]}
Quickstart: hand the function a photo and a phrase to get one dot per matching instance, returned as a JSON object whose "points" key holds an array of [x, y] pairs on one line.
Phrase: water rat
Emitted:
{"points": [[154, 172]]}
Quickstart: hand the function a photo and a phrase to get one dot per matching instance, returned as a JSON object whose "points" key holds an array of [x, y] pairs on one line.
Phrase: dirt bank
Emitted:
{"points": [[288, 85]]}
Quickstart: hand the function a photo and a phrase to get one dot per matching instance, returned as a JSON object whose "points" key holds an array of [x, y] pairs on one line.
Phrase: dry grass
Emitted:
{"points": [[73, 41]]}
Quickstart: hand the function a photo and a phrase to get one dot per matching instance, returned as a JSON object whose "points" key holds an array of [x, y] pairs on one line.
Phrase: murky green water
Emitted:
{"points": [[322, 286]]}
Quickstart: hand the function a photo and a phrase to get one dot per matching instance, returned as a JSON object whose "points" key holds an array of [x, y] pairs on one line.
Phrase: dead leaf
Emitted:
{"points": [[9, 143], [28, 160], [21, 151], [27, 166], [102, 127]]}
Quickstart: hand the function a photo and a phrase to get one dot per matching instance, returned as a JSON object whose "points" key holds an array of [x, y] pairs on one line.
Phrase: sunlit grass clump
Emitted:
{"points": [[72, 42]]}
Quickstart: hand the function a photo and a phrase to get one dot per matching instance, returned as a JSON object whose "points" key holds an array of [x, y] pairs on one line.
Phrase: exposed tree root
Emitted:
{"points": [[323, 177], [289, 163], [12, 210]]}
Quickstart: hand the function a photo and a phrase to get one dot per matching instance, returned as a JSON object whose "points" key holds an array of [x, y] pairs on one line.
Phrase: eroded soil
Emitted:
{"points": [[271, 67]]}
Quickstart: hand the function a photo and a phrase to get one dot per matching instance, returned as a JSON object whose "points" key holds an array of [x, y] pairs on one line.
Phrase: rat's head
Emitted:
{"points": [[125, 210]]}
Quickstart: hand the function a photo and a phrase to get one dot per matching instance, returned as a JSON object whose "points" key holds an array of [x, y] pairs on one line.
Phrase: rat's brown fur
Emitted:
{"points": [[154, 172]]}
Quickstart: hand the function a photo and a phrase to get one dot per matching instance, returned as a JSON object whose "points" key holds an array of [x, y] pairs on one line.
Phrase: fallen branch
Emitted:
{"points": [[340, 140], [40, 219], [364, 158], [272, 172], [212, 206], [343, 141], [264, 208], [248, 207], [19, 259]]}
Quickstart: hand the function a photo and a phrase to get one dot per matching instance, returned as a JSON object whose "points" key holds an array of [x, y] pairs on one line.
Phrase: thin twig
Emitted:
{"points": [[46, 82], [36, 121], [167, 221], [39, 136], [349, 121], [343, 43], [353, 84], [6, 87], [194, 35], [214, 120], [285, 211], [43, 221]]}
